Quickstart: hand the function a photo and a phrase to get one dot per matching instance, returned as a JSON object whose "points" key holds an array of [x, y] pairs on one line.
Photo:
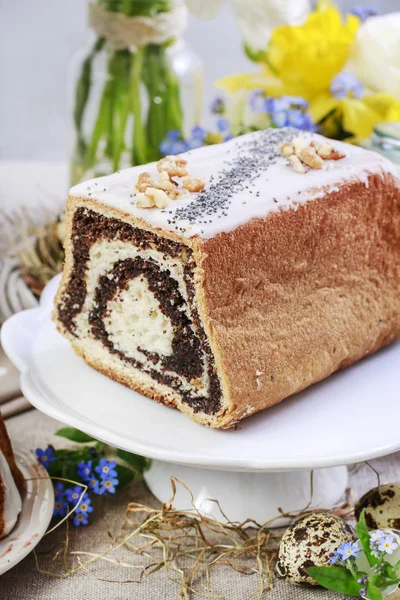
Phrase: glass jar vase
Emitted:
{"points": [[385, 139], [135, 81]]}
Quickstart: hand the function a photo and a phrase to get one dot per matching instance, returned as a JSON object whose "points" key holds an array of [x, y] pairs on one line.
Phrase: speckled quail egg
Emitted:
{"points": [[309, 542], [382, 507]]}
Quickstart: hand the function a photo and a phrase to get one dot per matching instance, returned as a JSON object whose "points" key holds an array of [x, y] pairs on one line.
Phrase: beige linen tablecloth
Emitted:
{"points": [[24, 582]]}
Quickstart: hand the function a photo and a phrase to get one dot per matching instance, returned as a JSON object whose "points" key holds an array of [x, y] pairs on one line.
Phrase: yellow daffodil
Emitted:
{"points": [[263, 80], [260, 80], [301, 60], [356, 116], [312, 54]]}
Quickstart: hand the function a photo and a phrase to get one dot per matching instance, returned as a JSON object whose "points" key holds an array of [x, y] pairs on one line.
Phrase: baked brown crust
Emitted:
{"points": [[303, 293], [287, 300]]}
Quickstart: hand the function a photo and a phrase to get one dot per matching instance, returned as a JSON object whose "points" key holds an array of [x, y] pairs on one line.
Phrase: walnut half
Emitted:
{"points": [[194, 184], [144, 181], [302, 157], [175, 166]]}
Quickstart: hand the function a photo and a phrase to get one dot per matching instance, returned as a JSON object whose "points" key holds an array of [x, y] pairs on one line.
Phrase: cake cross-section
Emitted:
{"points": [[226, 279]]}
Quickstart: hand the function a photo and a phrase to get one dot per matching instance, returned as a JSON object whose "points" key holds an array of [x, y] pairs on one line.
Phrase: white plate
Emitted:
{"points": [[350, 417], [36, 514]]}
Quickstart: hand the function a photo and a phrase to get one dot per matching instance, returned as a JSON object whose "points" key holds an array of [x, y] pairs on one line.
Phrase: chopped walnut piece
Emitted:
{"points": [[165, 181], [336, 155], [194, 184], [310, 158], [297, 165], [327, 151], [182, 194], [144, 181], [324, 150], [168, 185], [287, 149], [143, 201], [298, 146], [175, 166], [159, 197], [157, 193]]}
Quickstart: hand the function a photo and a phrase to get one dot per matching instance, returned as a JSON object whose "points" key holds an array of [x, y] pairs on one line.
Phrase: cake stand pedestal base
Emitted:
{"points": [[244, 495]]}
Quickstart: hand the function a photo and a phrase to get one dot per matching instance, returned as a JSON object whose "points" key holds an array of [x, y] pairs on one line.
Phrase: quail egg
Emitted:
{"points": [[382, 507], [309, 542]]}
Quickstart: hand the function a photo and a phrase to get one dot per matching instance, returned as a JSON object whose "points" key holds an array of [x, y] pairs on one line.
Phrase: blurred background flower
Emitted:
{"points": [[256, 19], [303, 59], [345, 68], [309, 56], [364, 11], [375, 57]]}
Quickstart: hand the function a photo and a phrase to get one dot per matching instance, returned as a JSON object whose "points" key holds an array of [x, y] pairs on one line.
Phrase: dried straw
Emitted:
{"points": [[38, 248], [187, 545]]}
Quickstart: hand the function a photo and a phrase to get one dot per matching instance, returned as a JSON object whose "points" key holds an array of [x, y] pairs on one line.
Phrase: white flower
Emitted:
{"points": [[376, 535], [388, 544], [375, 538], [256, 18], [375, 57]]}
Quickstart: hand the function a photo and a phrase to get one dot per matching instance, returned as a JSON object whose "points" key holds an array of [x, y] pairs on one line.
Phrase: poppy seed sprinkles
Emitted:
{"points": [[254, 157]]}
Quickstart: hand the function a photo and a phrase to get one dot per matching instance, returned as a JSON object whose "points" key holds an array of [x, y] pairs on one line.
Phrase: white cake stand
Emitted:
{"points": [[265, 465]]}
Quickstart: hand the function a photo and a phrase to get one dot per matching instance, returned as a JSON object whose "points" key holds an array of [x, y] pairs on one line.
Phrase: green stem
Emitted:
{"points": [[122, 109], [155, 117], [83, 91], [104, 125], [139, 151], [114, 68], [174, 108], [99, 127], [165, 112]]}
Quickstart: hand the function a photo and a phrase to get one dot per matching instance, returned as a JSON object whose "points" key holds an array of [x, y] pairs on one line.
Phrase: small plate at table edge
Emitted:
{"points": [[37, 511]]}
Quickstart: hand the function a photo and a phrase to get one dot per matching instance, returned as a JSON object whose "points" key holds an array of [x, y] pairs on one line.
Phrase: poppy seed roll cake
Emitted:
{"points": [[228, 278]]}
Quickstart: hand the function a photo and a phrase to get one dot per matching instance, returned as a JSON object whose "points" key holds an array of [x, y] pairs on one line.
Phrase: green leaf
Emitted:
{"points": [[74, 456], [74, 435], [256, 56], [67, 462], [100, 448], [363, 534], [373, 593], [337, 579], [390, 572], [383, 584], [139, 463], [55, 469], [125, 476]]}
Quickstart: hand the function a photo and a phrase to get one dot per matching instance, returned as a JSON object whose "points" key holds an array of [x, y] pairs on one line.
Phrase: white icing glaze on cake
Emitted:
{"points": [[227, 168], [13, 503]]}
